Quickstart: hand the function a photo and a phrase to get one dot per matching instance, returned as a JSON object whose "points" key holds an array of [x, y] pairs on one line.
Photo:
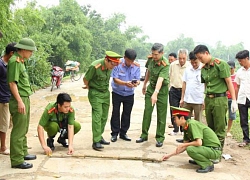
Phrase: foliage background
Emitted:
{"points": [[69, 31]]}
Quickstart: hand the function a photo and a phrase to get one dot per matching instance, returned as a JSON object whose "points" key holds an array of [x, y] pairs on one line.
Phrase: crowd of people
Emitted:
{"points": [[189, 82]]}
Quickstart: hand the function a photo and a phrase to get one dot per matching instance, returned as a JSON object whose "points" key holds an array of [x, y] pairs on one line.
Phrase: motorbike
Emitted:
{"points": [[56, 77]]}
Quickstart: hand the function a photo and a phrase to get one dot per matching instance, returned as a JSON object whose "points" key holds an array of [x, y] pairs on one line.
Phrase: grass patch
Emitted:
{"points": [[236, 130]]}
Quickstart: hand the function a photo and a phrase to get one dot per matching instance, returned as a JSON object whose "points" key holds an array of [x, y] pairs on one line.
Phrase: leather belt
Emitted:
{"points": [[216, 95], [179, 89]]}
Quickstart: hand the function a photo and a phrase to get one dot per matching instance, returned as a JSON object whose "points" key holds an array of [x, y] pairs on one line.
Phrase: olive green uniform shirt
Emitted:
{"points": [[214, 74], [157, 69], [16, 72], [98, 75], [197, 130], [49, 115]]}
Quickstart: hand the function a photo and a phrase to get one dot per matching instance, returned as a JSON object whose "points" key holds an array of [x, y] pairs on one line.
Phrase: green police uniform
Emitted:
{"points": [[18, 142], [214, 74], [17, 73], [211, 146], [52, 125], [98, 77], [156, 69]]}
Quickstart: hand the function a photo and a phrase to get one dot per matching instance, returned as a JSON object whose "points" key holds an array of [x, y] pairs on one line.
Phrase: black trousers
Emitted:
{"points": [[243, 110], [174, 100], [117, 126]]}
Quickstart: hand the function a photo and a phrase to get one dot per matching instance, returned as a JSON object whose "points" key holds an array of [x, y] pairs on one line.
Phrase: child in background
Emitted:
{"points": [[231, 116]]}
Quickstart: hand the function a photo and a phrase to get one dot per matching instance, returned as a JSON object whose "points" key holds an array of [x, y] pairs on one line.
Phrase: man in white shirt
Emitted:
{"points": [[243, 93], [176, 71], [192, 97]]}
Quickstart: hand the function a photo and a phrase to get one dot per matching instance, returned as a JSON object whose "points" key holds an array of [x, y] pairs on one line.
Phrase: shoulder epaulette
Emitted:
{"points": [[71, 110], [150, 56], [137, 64], [18, 59], [51, 110], [163, 63], [98, 65], [217, 61]]}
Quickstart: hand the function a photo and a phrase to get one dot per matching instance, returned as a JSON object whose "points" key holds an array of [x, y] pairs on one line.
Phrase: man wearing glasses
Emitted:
{"points": [[96, 80]]}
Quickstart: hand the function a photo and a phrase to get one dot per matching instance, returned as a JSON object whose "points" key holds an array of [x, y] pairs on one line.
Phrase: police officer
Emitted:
{"points": [[216, 76], [58, 117], [157, 92], [96, 81], [19, 104], [200, 142]]}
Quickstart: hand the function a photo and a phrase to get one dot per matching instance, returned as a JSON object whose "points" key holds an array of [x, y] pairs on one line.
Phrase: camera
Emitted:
{"points": [[63, 133], [134, 81]]}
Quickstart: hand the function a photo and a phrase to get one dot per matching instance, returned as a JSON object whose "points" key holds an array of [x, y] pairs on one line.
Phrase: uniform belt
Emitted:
{"points": [[216, 95]]}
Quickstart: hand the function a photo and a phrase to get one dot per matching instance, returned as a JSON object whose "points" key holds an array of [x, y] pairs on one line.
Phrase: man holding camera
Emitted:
{"points": [[58, 117], [126, 76]]}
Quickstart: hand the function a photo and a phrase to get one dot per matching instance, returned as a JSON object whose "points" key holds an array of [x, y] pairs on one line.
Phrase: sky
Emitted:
{"points": [[165, 20]]}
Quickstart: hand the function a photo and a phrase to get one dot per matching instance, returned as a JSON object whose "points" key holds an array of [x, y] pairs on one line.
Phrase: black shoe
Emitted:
{"points": [[97, 146], [114, 138], [140, 140], [125, 137], [179, 140], [191, 161], [24, 165], [158, 144], [29, 157], [50, 143], [207, 169], [104, 142], [63, 142]]}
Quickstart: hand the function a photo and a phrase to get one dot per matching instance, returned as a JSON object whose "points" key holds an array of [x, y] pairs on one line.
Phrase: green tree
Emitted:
{"points": [[180, 43]]}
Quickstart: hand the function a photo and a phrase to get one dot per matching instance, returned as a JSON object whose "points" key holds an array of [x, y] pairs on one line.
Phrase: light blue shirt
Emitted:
{"points": [[124, 73]]}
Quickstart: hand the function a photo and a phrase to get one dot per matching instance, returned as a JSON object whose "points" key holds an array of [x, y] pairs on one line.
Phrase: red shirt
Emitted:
{"points": [[234, 84]]}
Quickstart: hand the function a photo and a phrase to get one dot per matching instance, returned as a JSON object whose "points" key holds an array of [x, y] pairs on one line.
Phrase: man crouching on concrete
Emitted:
{"points": [[58, 117], [200, 142]]}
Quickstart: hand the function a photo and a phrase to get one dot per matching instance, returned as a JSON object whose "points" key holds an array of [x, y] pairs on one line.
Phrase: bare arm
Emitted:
{"points": [[181, 148], [183, 93], [237, 91], [230, 87], [70, 137], [124, 83], [86, 84], [157, 89], [40, 132], [14, 91]]}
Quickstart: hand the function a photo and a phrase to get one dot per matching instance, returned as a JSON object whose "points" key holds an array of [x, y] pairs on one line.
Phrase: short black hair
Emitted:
{"points": [[200, 49], [10, 48], [63, 97], [157, 47], [185, 117], [242, 54], [192, 56], [130, 54], [173, 54]]}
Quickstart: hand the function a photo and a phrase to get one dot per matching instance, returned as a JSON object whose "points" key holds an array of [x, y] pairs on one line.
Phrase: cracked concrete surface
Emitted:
{"points": [[77, 168]]}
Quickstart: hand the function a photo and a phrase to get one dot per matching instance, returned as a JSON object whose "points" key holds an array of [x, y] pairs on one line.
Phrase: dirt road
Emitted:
{"points": [[76, 168]]}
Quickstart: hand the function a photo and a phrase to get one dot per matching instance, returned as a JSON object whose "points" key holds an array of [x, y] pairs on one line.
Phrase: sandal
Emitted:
{"points": [[170, 126], [5, 152], [243, 144]]}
